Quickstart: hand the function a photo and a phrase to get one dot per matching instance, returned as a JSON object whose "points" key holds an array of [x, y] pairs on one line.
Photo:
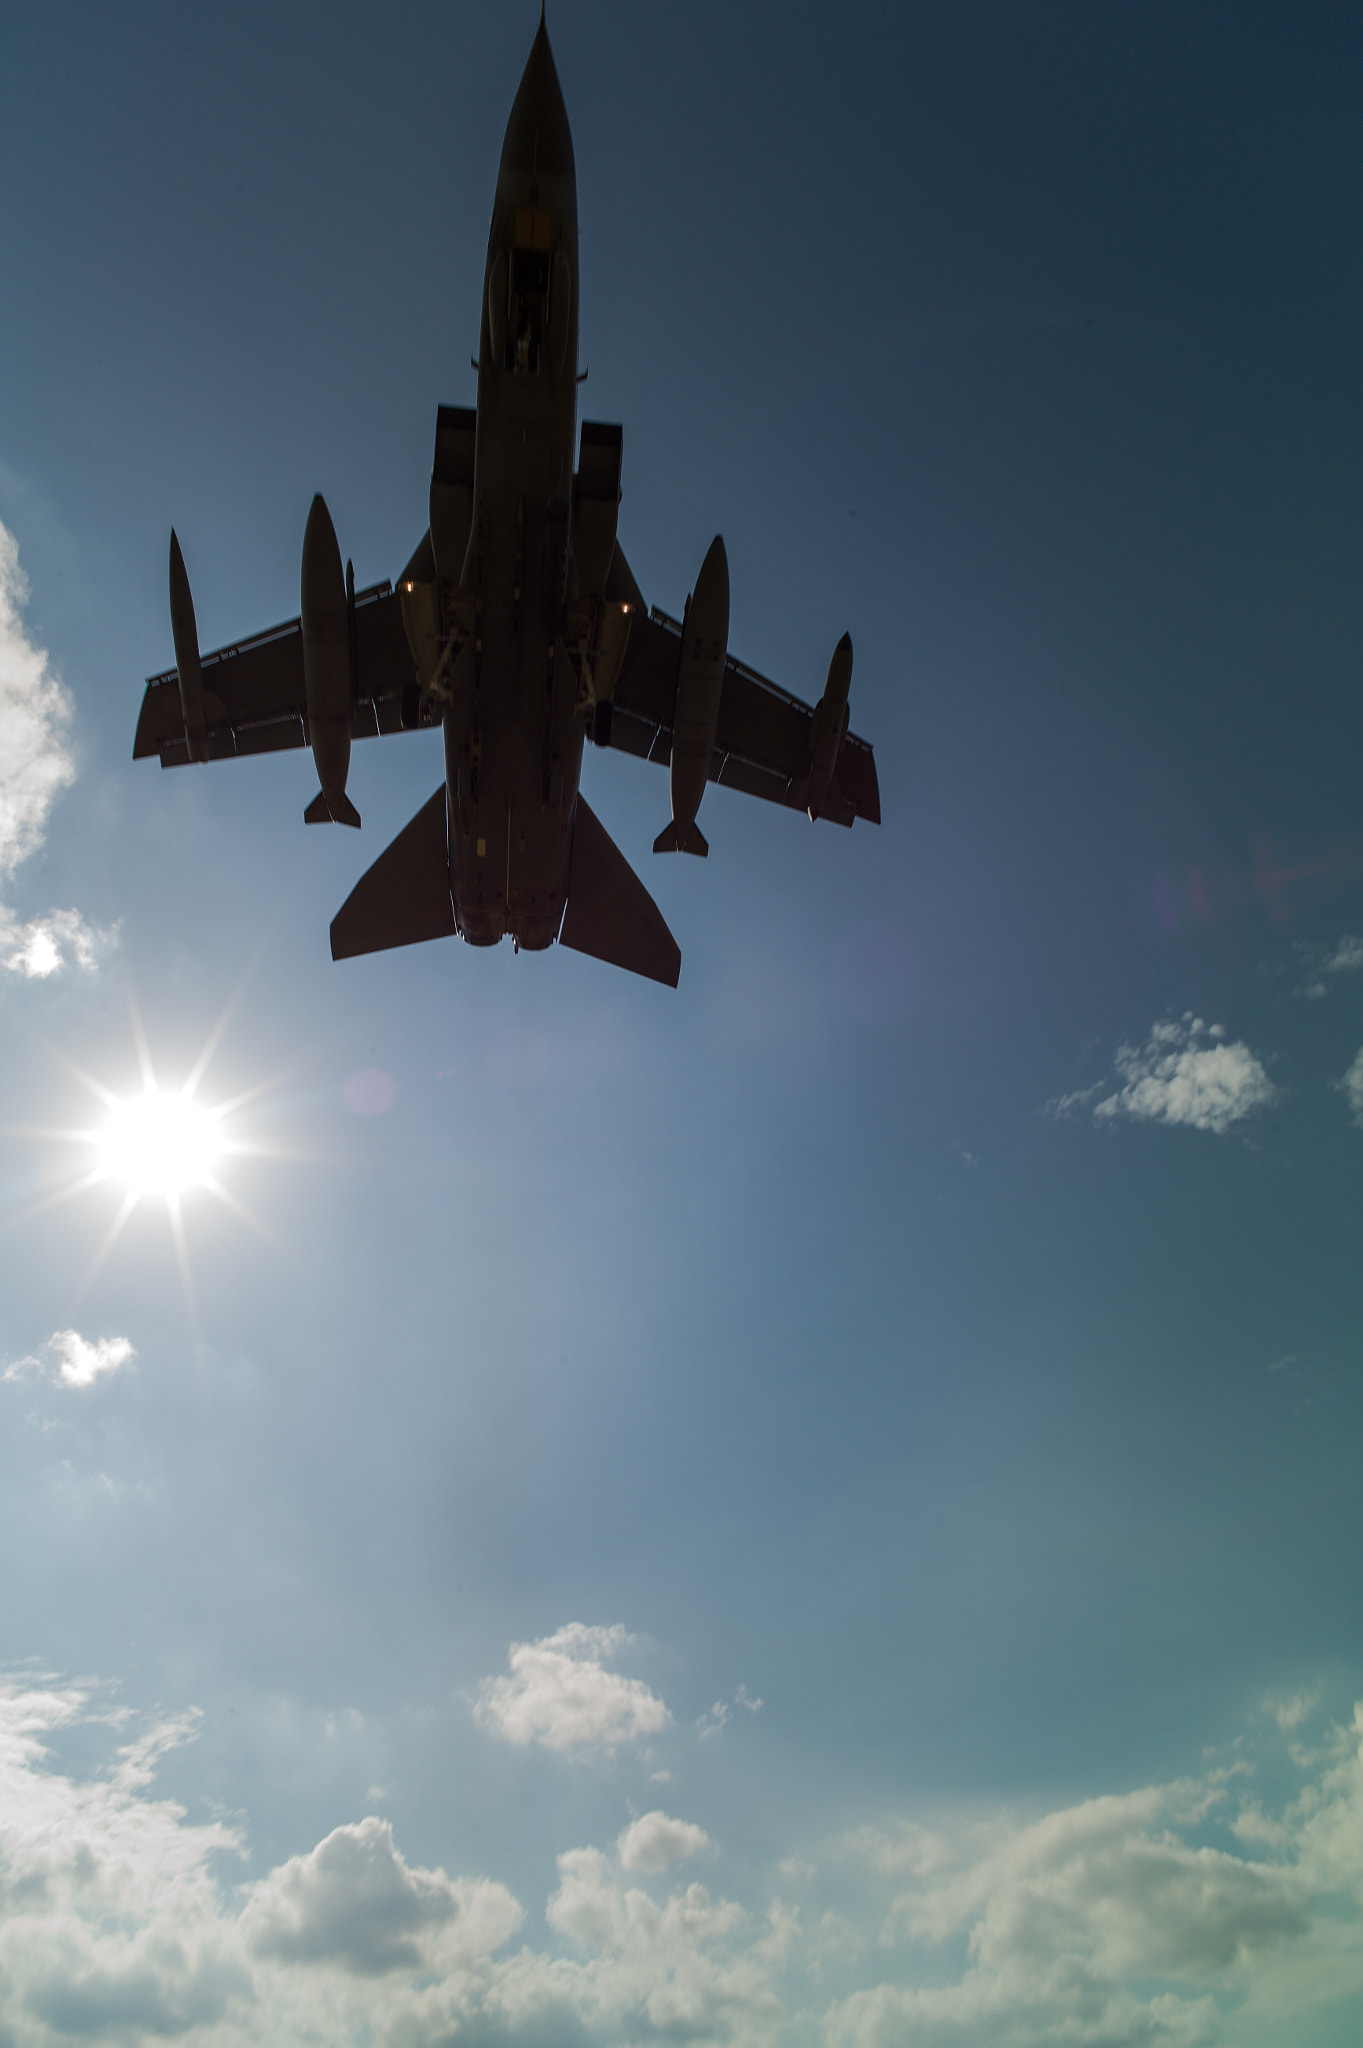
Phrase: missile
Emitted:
{"points": [[830, 723], [326, 668], [700, 680], [185, 633]]}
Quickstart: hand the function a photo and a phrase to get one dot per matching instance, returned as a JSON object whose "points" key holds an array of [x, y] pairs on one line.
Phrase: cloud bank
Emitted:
{"points": [[1062, 1916], [560, 1694], [1170, 1916], [1185, 1073], [35, 766]]}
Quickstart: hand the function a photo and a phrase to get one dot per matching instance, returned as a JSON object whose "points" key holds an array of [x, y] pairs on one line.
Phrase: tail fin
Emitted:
{"points": [[405, 896], [337, 810], [610, 913], [675, 838]]}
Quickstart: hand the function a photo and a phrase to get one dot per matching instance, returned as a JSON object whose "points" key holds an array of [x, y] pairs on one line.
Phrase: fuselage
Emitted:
{"points": [[513, 741]]}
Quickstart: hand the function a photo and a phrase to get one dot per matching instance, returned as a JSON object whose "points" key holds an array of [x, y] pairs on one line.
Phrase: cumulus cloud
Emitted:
{"points": [[111, 1919], [655, 1842], [560, 1693], [116, 1923], [80, 1363], [1121, 1921], [74, 1361], [693, 1968], [1064, 1918], [1186, 1073], [355, 1901], [1124, 1893], [35, 766]]}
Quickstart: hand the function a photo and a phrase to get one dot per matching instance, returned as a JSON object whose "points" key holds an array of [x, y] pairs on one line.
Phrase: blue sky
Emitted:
{"points": [[821, 1507]]}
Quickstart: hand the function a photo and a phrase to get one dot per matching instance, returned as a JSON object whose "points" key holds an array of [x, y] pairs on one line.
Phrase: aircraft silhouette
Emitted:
{"points": [[519, 628]]}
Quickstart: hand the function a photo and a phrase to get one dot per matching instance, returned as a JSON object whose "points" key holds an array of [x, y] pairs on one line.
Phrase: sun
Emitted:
{"points": [[160, 1144]]}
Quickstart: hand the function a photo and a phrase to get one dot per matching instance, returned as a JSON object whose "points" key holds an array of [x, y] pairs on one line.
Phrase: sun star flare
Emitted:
{"points": [[157, 1143]]}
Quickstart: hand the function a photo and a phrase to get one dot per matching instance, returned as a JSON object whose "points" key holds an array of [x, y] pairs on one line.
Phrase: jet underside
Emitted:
{"points": [[518, 628]]}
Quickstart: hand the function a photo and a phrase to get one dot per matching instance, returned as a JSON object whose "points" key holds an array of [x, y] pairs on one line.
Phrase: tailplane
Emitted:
{"points": [[405, 896], [610, 913]]}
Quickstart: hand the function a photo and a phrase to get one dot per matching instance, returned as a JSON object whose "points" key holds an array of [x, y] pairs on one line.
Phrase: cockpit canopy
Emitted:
{"points": [[529, 299], [528, 306]]}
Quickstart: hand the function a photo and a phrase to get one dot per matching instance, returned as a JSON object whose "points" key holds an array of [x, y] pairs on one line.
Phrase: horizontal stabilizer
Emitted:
{"points": [[675, 838], [405, 896], [610, 913], [339, 811]]}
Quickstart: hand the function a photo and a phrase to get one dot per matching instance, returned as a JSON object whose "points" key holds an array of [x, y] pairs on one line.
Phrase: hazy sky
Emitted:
{"points": [[818, 1508]]}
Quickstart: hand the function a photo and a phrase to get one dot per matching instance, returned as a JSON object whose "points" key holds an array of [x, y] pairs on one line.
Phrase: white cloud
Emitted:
{"points": [[714, 1718], [46, 944], [1078, 1098], [74, 1361], [115, 1923], [111, 1917], [1290, 1713], [1114, 1922], [80, 1363], [356, 1902], [1111, 1884], [560, 1693], [694, 1968], [655, 1842], [35, 766], [1110, 1922], [1352, 1084], [1322, 962], [35, 712], [1185, 1073]]}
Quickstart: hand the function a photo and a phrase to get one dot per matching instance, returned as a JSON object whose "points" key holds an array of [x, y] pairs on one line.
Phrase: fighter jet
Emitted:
{"points": [[517, 626]]}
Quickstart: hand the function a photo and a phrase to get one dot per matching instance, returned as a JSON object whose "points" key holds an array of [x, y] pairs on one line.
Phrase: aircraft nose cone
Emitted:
{"points": [[538, 143]]}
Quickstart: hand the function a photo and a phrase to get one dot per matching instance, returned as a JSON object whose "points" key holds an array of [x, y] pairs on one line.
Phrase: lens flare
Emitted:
{"points": [[158, 1144]]}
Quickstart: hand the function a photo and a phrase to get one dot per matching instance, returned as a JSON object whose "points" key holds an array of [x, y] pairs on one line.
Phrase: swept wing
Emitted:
{"points": [[255, 701], [763, 739]]}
